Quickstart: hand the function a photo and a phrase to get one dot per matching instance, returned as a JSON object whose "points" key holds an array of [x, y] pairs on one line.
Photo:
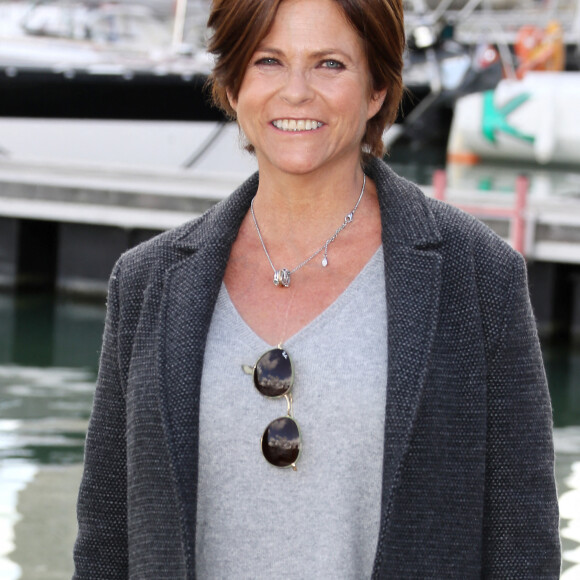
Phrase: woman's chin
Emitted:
{"points": [[298, 164], [291, 166]]}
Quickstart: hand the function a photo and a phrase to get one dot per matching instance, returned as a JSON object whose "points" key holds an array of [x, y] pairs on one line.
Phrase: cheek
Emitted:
{"points": [[356, 103]]}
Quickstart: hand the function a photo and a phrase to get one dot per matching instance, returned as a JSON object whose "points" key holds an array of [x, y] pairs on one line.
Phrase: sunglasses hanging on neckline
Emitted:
{"points": [[274, 377]]}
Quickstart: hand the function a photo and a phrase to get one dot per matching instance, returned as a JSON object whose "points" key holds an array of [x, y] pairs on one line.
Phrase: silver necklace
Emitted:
{"points": [[282, 277]]}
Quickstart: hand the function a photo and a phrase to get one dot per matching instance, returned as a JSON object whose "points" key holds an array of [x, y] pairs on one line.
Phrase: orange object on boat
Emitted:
{"points": [[540, 49]]}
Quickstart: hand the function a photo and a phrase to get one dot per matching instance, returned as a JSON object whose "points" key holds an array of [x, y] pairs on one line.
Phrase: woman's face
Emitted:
{"points": [[305, 97]]}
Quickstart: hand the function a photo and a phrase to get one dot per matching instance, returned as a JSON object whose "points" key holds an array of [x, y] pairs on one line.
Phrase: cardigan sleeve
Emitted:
{"points": [[101, 547], [521, 538]]}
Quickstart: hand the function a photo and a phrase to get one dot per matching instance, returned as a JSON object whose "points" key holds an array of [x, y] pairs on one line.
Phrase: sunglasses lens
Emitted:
{"points": [[281, 442], [273, 375]]}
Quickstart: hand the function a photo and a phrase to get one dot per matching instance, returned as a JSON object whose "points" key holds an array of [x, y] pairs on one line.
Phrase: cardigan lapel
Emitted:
{"points": [[413, 278], [190, 291], [413, 281]]}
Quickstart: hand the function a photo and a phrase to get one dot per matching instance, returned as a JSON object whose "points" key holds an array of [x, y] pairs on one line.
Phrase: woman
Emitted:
{"points": [[399, 392]]}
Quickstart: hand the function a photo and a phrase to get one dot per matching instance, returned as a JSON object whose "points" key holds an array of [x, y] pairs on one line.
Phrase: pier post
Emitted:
{"points": [[518, 222], [575, 314], [9, 230], [439, 184], [7, 308], [86, 256], [27, 254], [550, 296]]}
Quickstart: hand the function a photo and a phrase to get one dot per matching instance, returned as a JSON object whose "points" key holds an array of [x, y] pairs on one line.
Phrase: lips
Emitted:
{"points": [[297, 124]]}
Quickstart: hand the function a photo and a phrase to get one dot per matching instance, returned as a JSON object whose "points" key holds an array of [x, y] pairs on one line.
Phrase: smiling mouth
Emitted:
{"points": [[296, 125]]}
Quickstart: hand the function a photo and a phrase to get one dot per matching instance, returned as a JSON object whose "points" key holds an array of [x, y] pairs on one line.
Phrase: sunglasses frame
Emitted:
{"points": [[287, 394]]}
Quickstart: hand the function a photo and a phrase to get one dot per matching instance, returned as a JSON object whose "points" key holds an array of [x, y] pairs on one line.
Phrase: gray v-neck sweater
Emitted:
{"points": [[322, 521]]}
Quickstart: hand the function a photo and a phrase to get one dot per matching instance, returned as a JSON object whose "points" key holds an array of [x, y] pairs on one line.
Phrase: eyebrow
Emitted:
{"points": [[317, 54]]}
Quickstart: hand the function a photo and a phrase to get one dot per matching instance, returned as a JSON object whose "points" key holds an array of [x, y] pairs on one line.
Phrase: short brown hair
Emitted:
{"points": [[239, 26]]}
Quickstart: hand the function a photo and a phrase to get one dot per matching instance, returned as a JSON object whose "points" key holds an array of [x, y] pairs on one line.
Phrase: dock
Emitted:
{"points": [[62, 226], [65, 225]]}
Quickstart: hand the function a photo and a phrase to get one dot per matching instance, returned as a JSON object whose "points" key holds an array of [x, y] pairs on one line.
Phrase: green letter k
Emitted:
{"points": [[495, 119]]}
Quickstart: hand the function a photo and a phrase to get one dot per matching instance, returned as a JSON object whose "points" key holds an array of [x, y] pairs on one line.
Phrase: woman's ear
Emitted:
{"points": [[232, 101], [376, 102]]}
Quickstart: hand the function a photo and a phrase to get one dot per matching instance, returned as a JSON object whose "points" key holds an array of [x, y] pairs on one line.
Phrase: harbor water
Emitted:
{"points": [[48, 360]]}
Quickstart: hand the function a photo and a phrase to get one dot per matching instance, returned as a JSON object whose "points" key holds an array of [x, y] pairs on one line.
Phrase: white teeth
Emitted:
{"points": [[294, 125]]}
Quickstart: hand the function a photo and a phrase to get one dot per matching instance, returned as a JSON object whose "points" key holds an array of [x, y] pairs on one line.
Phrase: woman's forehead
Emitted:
{"points": [[317, 26]]}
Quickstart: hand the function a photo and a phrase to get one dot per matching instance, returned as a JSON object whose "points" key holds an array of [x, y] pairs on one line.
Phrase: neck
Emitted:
{"points": [[293, 206], [300, 228]]}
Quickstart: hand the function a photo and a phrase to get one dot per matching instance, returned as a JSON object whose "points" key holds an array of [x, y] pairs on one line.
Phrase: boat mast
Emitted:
{"points": [[179, 23]]}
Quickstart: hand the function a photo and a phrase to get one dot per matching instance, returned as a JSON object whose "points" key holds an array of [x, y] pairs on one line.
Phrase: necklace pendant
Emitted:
{"points": [[324, 262], [282, 278]]}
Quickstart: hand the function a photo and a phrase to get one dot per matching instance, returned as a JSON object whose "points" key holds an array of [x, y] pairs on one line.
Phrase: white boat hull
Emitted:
{"points": [[536, 119], [206, 147]]}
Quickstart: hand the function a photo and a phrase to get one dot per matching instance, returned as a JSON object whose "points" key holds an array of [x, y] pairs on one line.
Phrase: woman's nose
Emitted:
{"points": [[297, 87]]}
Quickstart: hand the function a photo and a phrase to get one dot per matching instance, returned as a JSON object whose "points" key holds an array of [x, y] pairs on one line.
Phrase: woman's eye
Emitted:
{"points": [[267, 61], [333, 64]]}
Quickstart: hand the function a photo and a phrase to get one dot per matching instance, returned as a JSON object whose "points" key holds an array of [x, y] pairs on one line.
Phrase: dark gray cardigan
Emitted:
{"points": [[468, 484]]}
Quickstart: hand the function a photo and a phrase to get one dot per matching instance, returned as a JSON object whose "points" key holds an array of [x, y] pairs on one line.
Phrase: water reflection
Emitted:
{"points": [[567, 442], [43, 332], [43, 419], [43, 413], [14, 477], [563, 370], [48, 359]]}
